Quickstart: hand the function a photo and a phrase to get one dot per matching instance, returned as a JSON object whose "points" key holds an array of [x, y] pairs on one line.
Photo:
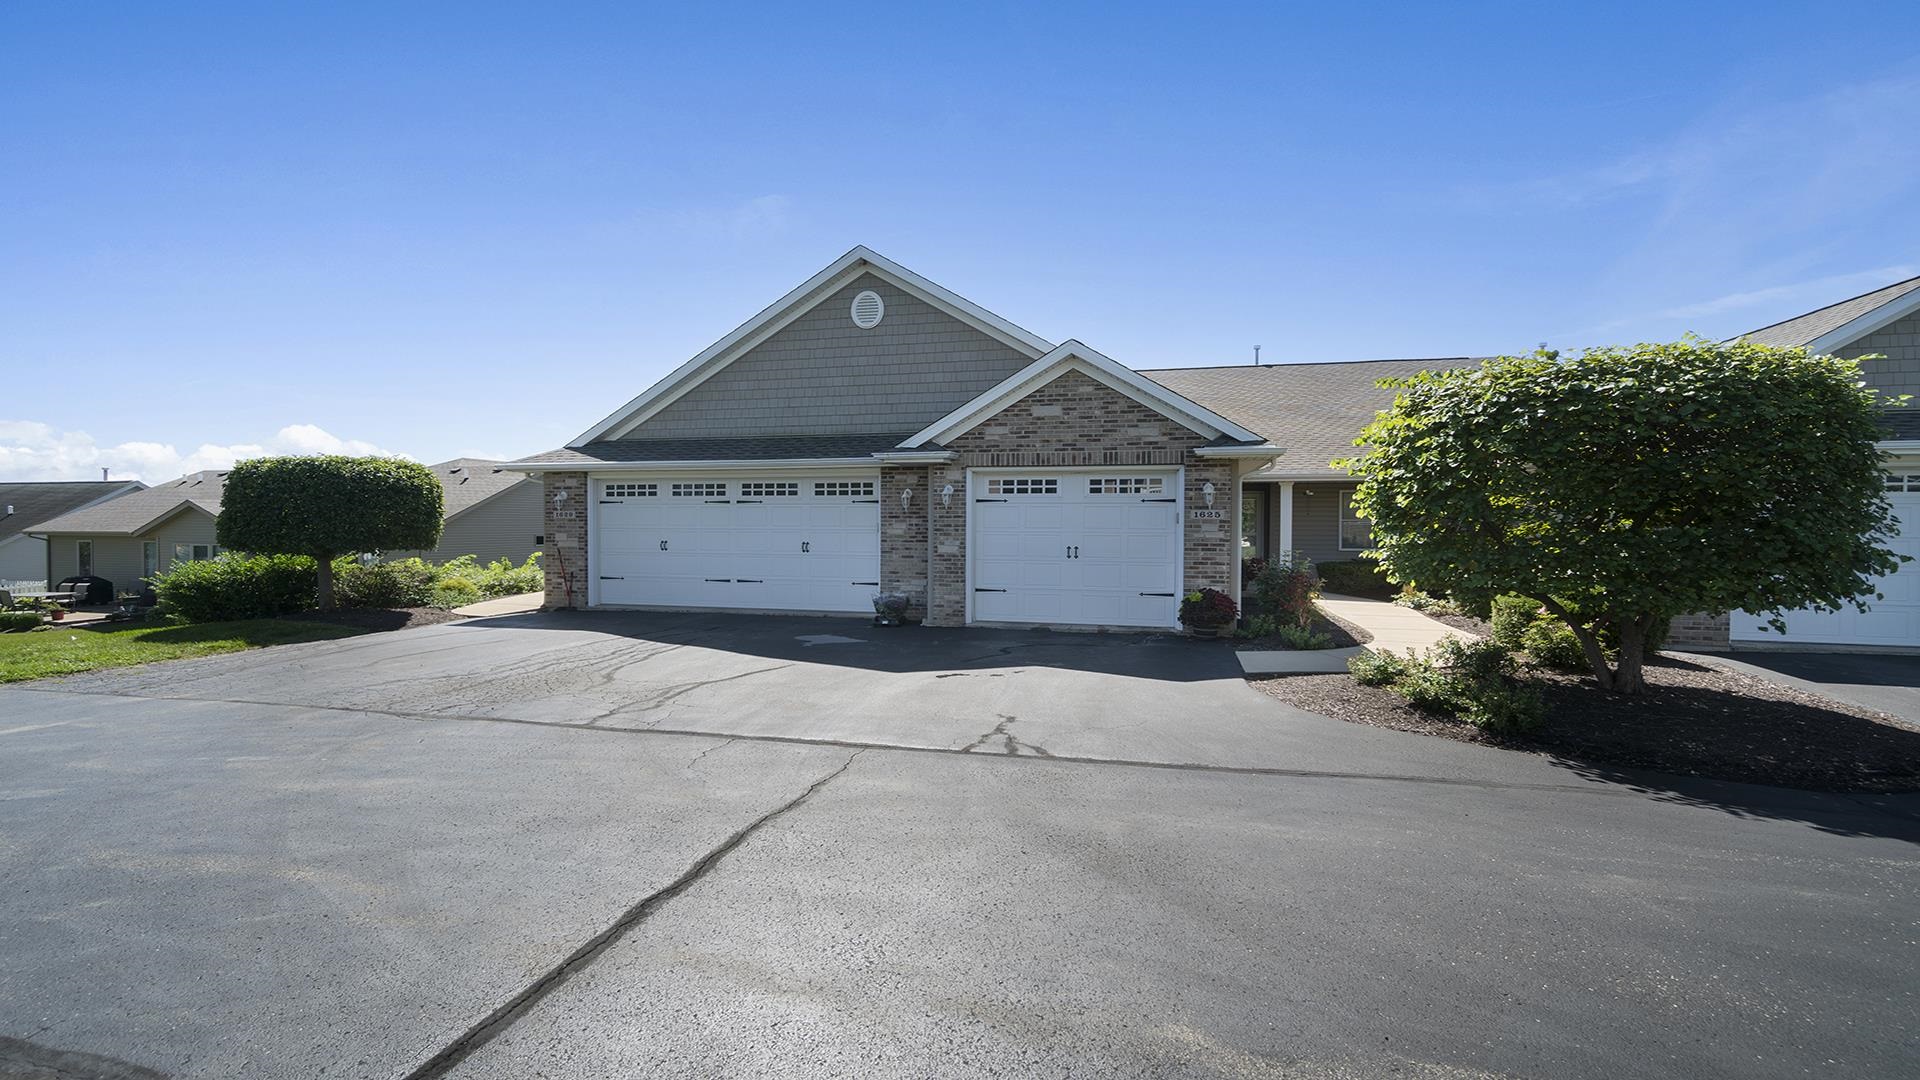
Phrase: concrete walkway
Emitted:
{"points": [[504, 605], [1395, 629]]}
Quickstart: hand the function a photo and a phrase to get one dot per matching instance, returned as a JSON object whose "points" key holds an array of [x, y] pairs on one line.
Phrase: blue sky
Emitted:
{"points": [[470, 228]]}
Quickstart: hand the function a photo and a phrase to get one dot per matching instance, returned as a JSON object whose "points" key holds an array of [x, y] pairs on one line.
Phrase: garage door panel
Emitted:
{"points": [[737, 542], [1892, 620], [1073, 549]]}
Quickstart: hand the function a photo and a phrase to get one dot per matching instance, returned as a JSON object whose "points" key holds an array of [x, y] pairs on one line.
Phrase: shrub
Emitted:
{"points": [[1356, 577], [1376, 668], [1503, 708], [1550, 644], [502, 578], [1301, 637], [1433, 605], [1258, 626], [402, 583], [1285, 589], [1472, 680], [1511, 617], [18, 620], [454, 592], [237, 587], [1208, 609]]}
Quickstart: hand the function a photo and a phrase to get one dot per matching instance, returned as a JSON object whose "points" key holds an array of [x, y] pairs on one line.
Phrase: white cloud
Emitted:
{"points": [[30, 450]]}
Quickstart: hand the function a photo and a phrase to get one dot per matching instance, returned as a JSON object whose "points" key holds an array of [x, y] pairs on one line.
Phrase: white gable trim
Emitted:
{"points": [[1073, 356], [1860, 326], [784, 311]]}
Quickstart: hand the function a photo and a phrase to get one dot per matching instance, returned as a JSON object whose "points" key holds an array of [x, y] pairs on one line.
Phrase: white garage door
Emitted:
{"points": [[1892, 621], [1076, 548], [755, 542]]}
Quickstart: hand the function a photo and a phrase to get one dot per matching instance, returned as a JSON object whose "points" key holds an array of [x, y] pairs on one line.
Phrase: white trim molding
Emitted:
{"points": [[1860, 326], [915, 457], [776, 316], [1263, 450], [1073, 356], [596, 467]]}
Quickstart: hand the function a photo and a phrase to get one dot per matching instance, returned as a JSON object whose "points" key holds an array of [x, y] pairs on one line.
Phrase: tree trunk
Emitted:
{"points": [[1628, 676], [325, 564], [1589, 643]]}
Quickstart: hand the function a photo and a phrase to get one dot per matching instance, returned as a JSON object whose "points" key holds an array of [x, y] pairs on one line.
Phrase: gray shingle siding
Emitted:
{"points": [[821, 374], [1899, 343], [503, 527]]}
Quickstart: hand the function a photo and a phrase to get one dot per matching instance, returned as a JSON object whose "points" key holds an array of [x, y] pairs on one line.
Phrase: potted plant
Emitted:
{"points": [[1207, 612], [890, 609]]}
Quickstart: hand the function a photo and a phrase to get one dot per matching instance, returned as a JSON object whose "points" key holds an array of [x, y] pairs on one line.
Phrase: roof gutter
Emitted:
{"points": [[1261, 450], [915, 457]]}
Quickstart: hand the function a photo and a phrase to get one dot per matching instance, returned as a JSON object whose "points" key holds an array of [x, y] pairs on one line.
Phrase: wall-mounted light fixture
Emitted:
{"points": [[946, 495], [559, 497], [906, 497], [1206, 492]]}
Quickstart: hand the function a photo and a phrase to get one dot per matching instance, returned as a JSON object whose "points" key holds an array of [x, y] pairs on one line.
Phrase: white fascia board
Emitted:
{"points": [[1263, 450], [777, 315], [1861, 326], [1073, 356], [915, 457], [695, 466]]}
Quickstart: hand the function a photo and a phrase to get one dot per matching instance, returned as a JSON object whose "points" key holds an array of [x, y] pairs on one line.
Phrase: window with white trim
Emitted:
{"points": [[852, 489], [1023, 485], [1903, 482], [196, 552], [83, 557], [149, 558], [703, 490], [773, 489], [629, 490], [1356, 532], [1126, 485]]}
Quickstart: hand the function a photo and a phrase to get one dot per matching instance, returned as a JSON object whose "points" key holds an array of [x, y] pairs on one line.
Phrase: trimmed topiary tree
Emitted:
{"points": [[329, 506], [1625, 486]]}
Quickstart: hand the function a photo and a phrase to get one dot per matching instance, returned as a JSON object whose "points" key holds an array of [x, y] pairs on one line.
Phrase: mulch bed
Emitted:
{"points": [[380, 618], [1694, 720], [1345, 635], [1471, 625]]}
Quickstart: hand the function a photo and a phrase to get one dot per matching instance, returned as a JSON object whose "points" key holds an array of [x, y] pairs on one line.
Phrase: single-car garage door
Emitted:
{"points": [[1894, 620], [770, 543], [1075, 548]]}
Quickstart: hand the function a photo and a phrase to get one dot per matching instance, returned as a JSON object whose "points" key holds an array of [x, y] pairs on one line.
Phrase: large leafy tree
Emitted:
{"points": [[1624, 486], [326, 507]]}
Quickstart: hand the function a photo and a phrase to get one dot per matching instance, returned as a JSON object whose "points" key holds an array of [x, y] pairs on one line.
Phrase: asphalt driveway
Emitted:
{"points": [[1886, 682], [589, 845]]}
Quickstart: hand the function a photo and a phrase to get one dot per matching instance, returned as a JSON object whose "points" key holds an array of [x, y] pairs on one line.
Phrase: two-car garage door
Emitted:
{"points": [[765, 543], [1893, 620]]}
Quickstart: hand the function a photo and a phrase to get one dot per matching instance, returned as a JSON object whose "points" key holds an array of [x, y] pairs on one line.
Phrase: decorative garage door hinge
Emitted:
{"points": [[727, 580], [875, 584], [1159, 500], [977, 588], [604, 577], [989, 500], [1156, 594]]}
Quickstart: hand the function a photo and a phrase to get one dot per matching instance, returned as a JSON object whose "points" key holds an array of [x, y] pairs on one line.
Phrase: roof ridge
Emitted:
{"points": [[1829, 307]]}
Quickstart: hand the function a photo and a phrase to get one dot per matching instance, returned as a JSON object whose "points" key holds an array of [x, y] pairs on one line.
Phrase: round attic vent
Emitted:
{"points": [[867, 309]]}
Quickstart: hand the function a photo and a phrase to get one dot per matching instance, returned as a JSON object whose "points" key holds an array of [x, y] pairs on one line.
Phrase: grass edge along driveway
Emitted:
{"points": [[68, 650]]}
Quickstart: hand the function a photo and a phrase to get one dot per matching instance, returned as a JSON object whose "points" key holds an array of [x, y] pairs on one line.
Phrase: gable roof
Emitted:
{"points": [[139, 511], [467, 482], [861, 260], [755, 449], [1071, 355], [25, 504], [1312, 412], [1835, 325]]}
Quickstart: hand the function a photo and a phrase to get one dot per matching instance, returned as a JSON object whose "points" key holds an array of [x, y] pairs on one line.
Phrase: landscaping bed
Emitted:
{"points": [[1342, 633], [379, 618], [1694, 720]]}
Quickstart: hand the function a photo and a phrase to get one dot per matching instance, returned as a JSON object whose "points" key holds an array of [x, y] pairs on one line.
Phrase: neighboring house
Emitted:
{"points": [[23, 556], [490, 514], [872, 431]]}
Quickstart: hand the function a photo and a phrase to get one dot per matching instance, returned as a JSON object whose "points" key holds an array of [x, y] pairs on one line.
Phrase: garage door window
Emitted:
{"points": [[775, 490], [1024, 486], [1908, 482], [1126, 485], [700, 491], [629, 491], [852, 489]]}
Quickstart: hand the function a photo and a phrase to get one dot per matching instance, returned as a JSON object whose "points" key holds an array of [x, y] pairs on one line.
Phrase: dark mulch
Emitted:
{"points": [[1471, 625], [1345, 635], [1693, 720], [380, 618]]}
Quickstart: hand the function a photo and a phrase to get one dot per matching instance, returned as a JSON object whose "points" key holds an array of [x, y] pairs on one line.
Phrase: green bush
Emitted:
{"points": [[501, 577], [1376, 668], [1258, 626], [1474, 681], [1550, 644], [1284, 589], [1356, 577], [1503, 708], [1301, 637], [237, 587], [1511, 617], [1432, 605], [18, 620], [403, 583]]}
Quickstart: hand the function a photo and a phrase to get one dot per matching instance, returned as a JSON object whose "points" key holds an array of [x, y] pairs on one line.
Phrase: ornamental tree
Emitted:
{"points": [[1625, 486], [326, 507]]}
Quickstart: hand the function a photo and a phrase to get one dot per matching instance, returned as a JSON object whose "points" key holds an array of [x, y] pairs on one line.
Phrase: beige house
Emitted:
{"points": [[491, 514], [872, 431]]}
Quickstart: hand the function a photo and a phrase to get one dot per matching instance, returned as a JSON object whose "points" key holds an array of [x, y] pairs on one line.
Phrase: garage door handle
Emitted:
{"points": [[1156, 594], [806, 545], [663, 545], [978, 589], [604, 577]]}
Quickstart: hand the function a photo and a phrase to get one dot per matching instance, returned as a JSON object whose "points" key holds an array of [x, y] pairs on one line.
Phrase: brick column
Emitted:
{"points": [[1212, 548], [566, 546], [947, 526], [903, 534], [1700, 632]]}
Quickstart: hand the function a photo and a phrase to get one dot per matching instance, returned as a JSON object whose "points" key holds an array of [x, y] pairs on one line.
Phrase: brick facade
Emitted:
{"points": [[565, 524], [1699, 632], [903, 534], [1071, 421]]}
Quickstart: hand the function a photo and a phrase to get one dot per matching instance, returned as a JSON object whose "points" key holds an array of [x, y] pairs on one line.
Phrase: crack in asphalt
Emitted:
{"points": [[1010, 744], [856, 744], [722, 745], [503, 1016]]}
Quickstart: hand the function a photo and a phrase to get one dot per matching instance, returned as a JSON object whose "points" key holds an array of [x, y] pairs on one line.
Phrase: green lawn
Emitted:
{"points": [[64, 650]]}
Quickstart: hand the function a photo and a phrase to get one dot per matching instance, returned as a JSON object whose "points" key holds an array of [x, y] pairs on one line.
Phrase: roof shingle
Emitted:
{"points": [[27, 504], [1804, 329], [741, 448]]}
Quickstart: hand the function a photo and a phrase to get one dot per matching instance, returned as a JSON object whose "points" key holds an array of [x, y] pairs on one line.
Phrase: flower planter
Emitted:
{"points": [[1205, 631]]}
